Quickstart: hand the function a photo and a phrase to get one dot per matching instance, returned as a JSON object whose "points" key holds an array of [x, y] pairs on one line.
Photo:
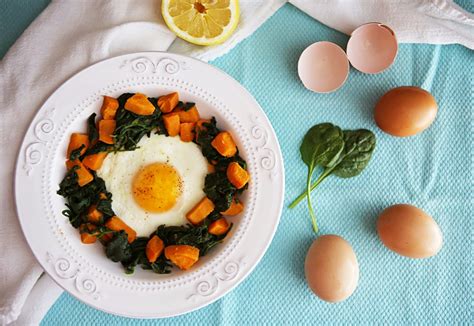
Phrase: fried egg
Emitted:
{"points": [[158, 183]]}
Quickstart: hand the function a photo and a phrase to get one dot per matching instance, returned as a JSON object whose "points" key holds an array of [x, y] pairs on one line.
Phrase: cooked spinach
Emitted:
{"points": [[219, 190], [344, 154], [92, 128], [75, 154], [118, 249], [138, 247]]}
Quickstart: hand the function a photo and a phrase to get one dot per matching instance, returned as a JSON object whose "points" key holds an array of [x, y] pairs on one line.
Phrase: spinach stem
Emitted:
{"points": [[321, 178], [308, 195]]}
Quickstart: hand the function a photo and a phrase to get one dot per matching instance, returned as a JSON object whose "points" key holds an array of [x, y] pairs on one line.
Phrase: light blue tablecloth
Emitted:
{"points": [[433, 170]]}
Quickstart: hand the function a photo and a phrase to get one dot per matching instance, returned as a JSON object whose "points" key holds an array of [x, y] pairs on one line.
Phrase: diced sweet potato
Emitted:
{"points": [[186, 131], [94, 161], [183, 256], [199, 212], [77, 140], [172, 123], [94, 215], [86, 236], [219, 227], [106, 131], [237, 175], [191, 115], [116, 224], [224, 144], [154, 248], [211, 168], [83, 175], [167, 103], [235, 208], [139, 104], [109, 108]]}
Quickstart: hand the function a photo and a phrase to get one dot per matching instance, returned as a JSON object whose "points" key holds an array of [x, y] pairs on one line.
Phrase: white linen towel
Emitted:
{"points": [[70, 35]]}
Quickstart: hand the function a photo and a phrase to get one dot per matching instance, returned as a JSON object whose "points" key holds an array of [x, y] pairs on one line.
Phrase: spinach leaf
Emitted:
{"points": [[322, 145], [358, 148], [92, 128], [98, 147], [118, 249], [138, 247], [75, 154], [219, 190]]}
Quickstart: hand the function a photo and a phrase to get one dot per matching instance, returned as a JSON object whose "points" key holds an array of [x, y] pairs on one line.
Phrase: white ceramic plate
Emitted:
{"points": [[83, 270]]}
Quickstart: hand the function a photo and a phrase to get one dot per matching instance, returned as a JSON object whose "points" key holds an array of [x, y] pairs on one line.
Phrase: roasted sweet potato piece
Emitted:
{"points": [[139, 104], [183, 256], [109, 108], [167, 103], [94, 161], [116, 224], [77, 140], [190, 115], [186, 131], [237, 175], [199, 212], [219, 227], [106, 130], [211, 168], [172, 123], [154, 248], [94, 215], [235, 208], [86, 236], [224, 144], [83, 175]]}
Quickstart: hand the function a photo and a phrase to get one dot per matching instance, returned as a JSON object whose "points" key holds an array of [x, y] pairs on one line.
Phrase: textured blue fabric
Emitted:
{"points": [[432, 170]]}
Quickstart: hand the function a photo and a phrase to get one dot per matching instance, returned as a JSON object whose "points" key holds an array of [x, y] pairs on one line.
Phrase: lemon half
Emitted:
{"points": [[202, 22]]}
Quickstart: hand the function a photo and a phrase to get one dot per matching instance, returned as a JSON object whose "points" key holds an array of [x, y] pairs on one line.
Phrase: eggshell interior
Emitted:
{"points": [[323, 67], [372, 48]]}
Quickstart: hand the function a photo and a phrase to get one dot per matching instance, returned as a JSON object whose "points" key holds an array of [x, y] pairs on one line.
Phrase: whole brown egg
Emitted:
{"points": [[405, 111]]}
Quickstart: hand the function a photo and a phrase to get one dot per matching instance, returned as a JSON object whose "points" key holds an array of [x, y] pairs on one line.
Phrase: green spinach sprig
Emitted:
{"points": [[344, 153]]}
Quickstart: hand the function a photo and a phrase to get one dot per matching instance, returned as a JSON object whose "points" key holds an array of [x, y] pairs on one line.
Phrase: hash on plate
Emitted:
{"points": [[175, 179]]}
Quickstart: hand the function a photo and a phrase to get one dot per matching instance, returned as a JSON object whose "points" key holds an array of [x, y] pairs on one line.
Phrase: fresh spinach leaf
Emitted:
{"points": [[321, 145], [358, 148]]}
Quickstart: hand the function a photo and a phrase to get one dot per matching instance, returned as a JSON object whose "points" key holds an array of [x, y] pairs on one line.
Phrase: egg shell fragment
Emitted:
{"points": [[331, 268], [409, 231]]}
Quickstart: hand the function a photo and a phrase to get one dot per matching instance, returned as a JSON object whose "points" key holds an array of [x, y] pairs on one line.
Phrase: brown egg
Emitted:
{"points": [[405, 111], [331, 268], [409, 231]]}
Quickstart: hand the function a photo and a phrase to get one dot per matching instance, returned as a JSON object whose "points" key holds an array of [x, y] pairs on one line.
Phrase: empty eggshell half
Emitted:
{"points": [[372, 48], [323, 67]]}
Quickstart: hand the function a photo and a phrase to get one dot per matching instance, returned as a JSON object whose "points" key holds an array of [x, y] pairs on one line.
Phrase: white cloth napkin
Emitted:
{"points": [[70, 35]]}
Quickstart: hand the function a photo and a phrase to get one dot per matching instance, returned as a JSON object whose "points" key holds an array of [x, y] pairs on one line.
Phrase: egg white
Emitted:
{"points": [[119, 170]]}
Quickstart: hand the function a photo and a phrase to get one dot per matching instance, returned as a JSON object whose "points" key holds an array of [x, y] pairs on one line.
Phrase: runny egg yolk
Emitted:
{"points": [[156, 187]]}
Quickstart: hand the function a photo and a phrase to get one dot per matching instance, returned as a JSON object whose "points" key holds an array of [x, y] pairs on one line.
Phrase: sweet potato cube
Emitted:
{"points": [[200, 211], [172, 124], [154, 248], [116, 224], [191, 115], [186, 131], [167, 103], [224, 144], [183, 256], [94, 161], [219, 227], [106, 131], [139, 104], [94, 215], [77, 140], [237, 175], [235, 208], [109, 108], [83, 175]]}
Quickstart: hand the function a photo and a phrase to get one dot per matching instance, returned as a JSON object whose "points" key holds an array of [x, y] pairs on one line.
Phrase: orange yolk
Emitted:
{"points": [[156, 187]]}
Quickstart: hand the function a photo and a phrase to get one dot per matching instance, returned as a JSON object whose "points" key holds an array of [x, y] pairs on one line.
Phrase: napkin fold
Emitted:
{"points": [[71, 35]]}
